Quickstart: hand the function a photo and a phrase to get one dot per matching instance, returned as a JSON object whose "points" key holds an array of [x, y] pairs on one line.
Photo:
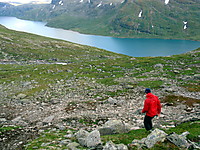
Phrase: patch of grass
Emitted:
{"points": [[192, 127], [125, 138], [195, 87], [151, 84], [88, 122], [180, 99], [8, 128], [48, 140]]}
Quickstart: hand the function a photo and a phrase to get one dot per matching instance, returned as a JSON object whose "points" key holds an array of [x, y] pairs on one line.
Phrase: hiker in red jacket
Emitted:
{"points": [[152, 108]]}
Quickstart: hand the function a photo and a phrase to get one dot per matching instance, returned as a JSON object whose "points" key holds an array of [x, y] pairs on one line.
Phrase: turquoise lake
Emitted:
{"points": [[128, 46]]}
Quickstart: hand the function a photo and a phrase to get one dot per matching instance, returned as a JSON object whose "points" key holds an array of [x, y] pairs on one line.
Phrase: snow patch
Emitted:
{"points": [[81, 1], [53, 6], [89, 1], [185, 22], [166, 2], [185, 25], [61, 3], [140, 14], [123, 1], [99, 4], [110, 4]]}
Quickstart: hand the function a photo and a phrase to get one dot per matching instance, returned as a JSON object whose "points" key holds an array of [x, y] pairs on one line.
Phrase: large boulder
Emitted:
{"points": [[93, 139], [154, 137], [87, 139], [81, 137], [114, 127]]}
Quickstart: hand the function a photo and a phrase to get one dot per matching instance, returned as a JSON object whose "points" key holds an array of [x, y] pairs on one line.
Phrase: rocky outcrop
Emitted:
{"points": [[160, 136], [88, 139], [114, 127]]}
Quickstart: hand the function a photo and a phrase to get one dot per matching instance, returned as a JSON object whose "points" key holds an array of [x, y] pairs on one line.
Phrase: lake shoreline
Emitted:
{"points": [[135, 47]]}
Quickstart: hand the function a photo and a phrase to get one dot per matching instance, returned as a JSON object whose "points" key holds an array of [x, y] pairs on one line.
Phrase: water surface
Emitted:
{"points": [[127, 46]]}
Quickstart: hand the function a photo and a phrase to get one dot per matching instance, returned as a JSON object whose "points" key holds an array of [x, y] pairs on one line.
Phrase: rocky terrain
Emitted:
{"points": [[53, 87]]}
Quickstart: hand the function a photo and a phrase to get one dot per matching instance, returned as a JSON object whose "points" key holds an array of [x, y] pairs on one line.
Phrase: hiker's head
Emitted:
{"points": [[147, 90]]}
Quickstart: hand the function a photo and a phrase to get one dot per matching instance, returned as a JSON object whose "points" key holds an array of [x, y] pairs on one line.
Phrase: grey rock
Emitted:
{"points": [[178, 140], [93, 139], [112, 100], [65, 142], [20, 96], [45, 144], [184, 134], [197, 76], [81, 137], [138, 143], [114, 127], [60, 126], [3, 120], [73, 145], [154, 137], [88, 139], [48, 120], [25, 101], [158, 66], [19, 121], [81, 134], [111, 146]]}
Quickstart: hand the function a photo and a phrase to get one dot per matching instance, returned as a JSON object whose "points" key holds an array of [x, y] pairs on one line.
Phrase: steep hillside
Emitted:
{"points": [[64, 87], [122, 18]]}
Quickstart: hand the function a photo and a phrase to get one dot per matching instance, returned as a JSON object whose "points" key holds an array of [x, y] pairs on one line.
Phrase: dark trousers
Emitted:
{"points": [[148, 122]]}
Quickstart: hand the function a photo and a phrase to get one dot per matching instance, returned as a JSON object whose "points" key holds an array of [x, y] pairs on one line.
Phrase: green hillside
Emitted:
{"points": [[118, 18], [40, 60], [39, 75]]}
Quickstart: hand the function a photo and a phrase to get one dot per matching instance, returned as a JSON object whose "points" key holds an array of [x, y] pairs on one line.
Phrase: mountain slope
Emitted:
{"points": [[50, 84], [129, 18]]}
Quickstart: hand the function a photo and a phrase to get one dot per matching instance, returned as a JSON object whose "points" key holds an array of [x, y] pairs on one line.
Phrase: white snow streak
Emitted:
{"points": [[99, 4], [140, 14], [61, 3], [166, 2], [185, 25]]}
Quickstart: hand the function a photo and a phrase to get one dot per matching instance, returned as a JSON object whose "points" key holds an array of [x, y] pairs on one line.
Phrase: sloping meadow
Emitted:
{"points": [[31, 63]]}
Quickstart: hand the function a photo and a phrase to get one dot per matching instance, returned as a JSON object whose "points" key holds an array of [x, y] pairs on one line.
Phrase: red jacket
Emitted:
{"points": [[152, 106]]}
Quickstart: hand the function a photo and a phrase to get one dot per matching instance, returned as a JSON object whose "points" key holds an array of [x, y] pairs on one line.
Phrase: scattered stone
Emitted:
{"points": [[48, 120], [20, 96], [158, 66], [2, 120], [19, 121], [138, 143], [73, 145], [178, 140], [65, 142], [197, 76], [111, 146]]}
